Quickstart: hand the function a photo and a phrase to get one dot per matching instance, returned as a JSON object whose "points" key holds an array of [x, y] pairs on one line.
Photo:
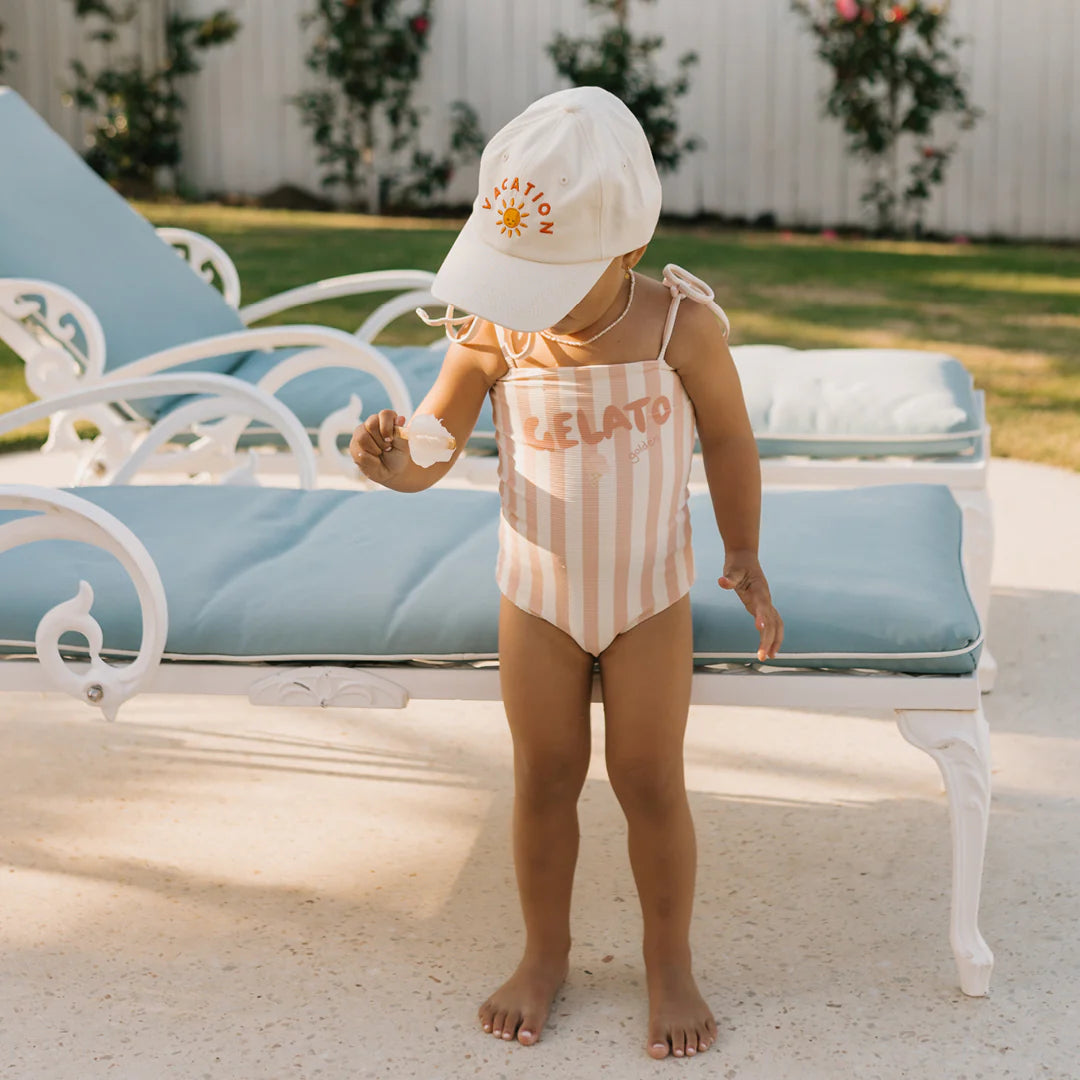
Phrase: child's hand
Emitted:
{"points": [[743, 573], [380, 454]]}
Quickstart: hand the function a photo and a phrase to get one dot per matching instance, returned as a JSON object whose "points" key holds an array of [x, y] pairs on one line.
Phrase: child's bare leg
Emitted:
{"points": [[546, 686], [646, 678]]}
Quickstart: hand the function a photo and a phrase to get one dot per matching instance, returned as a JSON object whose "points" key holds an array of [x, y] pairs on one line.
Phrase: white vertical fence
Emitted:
{"points": [[756, 102]]}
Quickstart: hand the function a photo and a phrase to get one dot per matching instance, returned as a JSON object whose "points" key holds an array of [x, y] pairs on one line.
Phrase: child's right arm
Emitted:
{"points": [[467, 374]]}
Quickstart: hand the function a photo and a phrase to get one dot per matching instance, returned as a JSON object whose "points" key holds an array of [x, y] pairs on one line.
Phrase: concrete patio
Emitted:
{"points": [[207, 889]]}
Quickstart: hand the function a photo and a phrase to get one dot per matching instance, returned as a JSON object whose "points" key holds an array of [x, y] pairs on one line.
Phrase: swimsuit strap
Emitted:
{"points": [[506, 343], [684, 284]]}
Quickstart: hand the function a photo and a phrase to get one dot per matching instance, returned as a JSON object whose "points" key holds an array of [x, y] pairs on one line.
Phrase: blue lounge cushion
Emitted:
{"points": [[60, 222], [865, 578], [857, 402]]}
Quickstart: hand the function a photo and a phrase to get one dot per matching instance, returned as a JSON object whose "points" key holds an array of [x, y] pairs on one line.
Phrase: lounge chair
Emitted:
{"points": [[290, 597], [86, 293], [89, 294]]}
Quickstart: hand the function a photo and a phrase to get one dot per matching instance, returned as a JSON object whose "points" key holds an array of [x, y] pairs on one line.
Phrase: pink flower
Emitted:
{"points": [[847, 9], [420, 24], [829, 234], [898, 13]]}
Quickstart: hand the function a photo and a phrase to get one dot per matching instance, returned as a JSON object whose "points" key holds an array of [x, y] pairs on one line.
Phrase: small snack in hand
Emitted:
{"points": [[428, 440]]}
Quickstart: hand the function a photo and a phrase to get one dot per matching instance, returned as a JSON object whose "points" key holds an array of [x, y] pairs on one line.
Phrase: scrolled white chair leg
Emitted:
{"points": [[59, 515], [343, 421], [959, 741]]}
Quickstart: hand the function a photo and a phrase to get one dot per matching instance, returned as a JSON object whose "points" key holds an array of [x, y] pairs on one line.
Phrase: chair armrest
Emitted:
{"points": [[392, 309], [328, 348], [60, 515], [207, 259], [222, 396], [55, 332], [334, 288]]}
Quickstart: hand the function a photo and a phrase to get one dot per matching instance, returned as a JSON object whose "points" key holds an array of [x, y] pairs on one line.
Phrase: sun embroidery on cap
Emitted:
{"points": [[511, 218], [511, 213]]}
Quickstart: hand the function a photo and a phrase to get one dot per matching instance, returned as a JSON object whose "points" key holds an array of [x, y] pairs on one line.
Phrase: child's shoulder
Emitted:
{"points": [[481, 351], [698, 332]]}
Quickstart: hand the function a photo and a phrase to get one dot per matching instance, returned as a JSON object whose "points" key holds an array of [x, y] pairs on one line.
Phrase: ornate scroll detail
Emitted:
{"points": [[343, 421], [209, 260], [326, 686], [59, 515], [57, 335], [959, 741], [360, 356]]}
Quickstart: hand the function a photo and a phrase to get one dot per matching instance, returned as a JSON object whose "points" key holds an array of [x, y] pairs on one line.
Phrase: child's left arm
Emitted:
{"points": [[701, 356]]}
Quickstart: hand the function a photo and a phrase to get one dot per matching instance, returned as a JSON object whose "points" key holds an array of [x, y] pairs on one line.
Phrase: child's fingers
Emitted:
{"points": [[769, 626], [776, 632], [766, 638], [388, 420], [380, 426], [368, 441]]}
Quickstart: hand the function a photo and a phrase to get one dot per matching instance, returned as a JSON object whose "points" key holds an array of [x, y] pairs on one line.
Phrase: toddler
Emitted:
{"points": [[598, 377]]}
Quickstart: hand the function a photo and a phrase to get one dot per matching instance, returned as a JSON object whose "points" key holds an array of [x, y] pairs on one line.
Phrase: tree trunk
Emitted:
{"points": [[371, 173], [894, 150]]}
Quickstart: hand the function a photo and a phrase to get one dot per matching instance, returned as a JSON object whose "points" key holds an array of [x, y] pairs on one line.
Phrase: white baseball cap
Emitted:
{"points": [[565, 187]]}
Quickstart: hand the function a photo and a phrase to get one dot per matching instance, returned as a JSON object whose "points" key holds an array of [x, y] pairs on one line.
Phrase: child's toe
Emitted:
{"points": [[530, 1029], [657, 1043]]}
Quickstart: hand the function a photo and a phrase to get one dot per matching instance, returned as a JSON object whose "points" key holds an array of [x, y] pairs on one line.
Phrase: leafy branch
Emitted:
{"points": [[893, 76], [137, 107], [623, 64], [367, 55]]}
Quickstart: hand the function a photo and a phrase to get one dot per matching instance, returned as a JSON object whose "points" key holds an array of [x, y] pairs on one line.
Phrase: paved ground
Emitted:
{"points": [[206, 889]]}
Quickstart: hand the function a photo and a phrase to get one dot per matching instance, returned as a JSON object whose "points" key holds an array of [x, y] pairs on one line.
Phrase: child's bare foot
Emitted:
{"points": [[519, 1008], [680, 1022]]}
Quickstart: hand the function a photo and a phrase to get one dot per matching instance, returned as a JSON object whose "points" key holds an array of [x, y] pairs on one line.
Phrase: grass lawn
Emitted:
{"points": [[1010, 313]]}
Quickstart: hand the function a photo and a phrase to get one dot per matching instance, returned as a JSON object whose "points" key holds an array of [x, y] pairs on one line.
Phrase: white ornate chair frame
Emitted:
{"points": [[62, 345]]}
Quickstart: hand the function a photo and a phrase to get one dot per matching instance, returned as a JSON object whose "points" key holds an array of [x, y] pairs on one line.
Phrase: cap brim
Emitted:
{"points": [[517, 293]]}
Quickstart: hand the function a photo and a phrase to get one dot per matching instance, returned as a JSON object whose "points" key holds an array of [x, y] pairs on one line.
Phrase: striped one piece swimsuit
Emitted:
{"points": [[594, 534]]}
